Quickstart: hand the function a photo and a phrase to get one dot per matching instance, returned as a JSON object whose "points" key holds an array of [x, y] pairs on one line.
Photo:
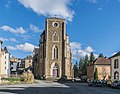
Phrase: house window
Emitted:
{"points": [[55, 37], [116, 75], [5, 62], [5, 68], [55, 52], [116, 63]]}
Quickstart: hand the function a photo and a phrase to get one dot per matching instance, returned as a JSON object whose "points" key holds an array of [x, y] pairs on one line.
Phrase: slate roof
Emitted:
{"points": [[117, 54], [102, 61], [5, 49]]}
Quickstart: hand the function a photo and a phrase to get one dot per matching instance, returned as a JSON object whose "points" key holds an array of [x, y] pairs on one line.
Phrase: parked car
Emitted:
{"points": [[104, 82], [109, 83], [77, 79], [94, 83], [115, 84]]}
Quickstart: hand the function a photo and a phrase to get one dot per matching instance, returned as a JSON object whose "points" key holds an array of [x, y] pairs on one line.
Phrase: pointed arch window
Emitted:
{"points": [[55, 37], [55, 52]]}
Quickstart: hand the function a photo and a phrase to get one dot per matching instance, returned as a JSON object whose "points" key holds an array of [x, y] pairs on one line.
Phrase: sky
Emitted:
{"points": [[92, 25]]}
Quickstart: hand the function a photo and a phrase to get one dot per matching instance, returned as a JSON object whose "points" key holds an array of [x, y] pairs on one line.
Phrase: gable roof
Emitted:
{"points": [[101, 61]]}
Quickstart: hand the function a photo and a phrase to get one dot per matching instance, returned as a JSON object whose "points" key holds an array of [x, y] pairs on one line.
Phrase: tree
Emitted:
{"points": [[96, 74], [81, 67], [92, 58], [75, 69], [101, 55], [86, 61]]}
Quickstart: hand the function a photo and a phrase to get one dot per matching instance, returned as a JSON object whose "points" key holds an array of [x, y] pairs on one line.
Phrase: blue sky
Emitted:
{"points": [[92, 25]]}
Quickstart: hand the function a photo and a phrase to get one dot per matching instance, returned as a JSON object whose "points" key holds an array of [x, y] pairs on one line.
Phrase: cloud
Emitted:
{"points": [[8, 3], [50, 8], [78, 52], [92, 1], [27, 47], [3, 39], [35, 28], [13, 39], [89, 49], [11, 48], [8, 39], [19, 30], [100, 8], [26, 37]]}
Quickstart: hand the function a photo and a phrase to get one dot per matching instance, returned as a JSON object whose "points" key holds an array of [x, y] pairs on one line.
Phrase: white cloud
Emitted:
{"points": [[8, 3], [92, 1], [78, 52], [8, 39], [13, 39], [100, 8], [89, 49], [19, 30], [59, 8], [3, 39], [118, 0], [35, 28], [75, 45], [27, 47], [11, 48]]}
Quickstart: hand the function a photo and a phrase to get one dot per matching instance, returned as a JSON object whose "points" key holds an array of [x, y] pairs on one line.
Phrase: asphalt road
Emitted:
{"points": [[56, 88]]}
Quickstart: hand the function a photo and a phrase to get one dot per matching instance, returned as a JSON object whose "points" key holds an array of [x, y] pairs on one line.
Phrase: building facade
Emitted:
{"points": [[35, 61], [27, 62], [115, 66], [4, 62], [103, 66], [54, 50]]}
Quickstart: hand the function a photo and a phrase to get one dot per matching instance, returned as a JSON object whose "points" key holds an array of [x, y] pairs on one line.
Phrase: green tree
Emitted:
{"points": [[96, 74], [101, 55], [92, 58], [86, 61], [81, 67], [76, 69]]}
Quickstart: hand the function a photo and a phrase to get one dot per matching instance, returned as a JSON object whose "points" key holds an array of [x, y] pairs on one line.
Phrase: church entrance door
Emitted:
{"points": [[55, 70]]}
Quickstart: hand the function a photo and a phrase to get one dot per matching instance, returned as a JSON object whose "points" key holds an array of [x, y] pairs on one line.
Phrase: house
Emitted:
{"points": [[4, 62], [115, 66], [13, 66], [27, 62], [103, 66]]}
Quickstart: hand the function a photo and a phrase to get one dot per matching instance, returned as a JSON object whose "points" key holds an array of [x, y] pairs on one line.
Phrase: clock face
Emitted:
{"points": [[55, 24]]}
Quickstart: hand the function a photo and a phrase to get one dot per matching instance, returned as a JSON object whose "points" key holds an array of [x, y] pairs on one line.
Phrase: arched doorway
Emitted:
{"points": [[55, 70]]}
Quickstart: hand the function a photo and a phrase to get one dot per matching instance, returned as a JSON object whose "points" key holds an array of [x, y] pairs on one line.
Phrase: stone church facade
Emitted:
{"points": [[54, 50]]}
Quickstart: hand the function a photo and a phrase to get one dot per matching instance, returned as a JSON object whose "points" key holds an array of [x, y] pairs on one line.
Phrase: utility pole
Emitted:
{"points": [[0, 57]]}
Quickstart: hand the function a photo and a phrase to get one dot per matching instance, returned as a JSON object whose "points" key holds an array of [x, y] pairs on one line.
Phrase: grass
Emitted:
{"points": [[11, 80]]}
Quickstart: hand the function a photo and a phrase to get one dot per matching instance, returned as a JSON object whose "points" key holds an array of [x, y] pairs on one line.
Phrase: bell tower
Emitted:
{"points": [[55, 31]]}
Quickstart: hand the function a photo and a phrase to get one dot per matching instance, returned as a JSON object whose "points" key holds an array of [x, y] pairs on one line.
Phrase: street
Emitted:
{"points": [[56, 88]]}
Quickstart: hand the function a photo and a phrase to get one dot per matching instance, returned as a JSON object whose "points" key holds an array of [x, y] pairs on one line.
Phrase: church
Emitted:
{"points": [[54, 57]]}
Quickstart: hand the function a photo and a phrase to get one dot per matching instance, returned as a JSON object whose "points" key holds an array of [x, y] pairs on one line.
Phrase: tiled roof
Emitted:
{"points": [[100, 61]]}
